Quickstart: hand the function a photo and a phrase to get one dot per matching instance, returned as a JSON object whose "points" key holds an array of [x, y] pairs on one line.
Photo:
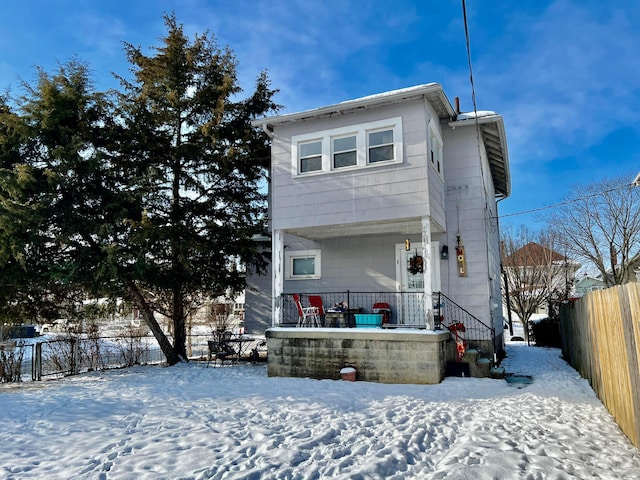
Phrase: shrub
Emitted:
{"points": [[547, 332], [11, 363]]}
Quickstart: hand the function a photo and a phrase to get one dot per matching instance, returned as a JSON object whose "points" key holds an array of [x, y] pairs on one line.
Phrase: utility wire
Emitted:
{"points": [[466, 34], [473, 93], [566, 202]]}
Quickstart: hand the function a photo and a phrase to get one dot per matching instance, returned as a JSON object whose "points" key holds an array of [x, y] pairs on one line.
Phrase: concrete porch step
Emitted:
{"points": [[471, 365]]}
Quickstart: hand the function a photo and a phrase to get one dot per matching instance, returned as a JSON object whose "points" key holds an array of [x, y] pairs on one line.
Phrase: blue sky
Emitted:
{"points": [[565, 74]]}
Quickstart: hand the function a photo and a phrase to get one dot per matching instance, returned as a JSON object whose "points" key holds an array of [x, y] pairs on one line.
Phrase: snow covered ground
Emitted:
{"points": [[194, 422]]}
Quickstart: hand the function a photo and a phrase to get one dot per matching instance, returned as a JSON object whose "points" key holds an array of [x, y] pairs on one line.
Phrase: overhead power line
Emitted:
{"points": [[566, 202]]}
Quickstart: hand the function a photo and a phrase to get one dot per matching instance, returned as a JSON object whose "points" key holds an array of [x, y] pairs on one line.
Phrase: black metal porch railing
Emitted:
{"points": [[449, 315], [407, 308]]}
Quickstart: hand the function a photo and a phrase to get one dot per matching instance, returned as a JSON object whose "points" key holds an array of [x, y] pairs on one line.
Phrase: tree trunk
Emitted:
{"points": [[164, 343], [179, 328]]}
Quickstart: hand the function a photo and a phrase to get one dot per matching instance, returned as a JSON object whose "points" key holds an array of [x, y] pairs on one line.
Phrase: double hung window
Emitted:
{"points": [[380, 146], [344, 152], [345, 148], [435, 149], [310, 156]]}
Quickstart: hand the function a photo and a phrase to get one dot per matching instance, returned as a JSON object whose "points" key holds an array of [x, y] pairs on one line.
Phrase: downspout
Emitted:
{"points": [[265, 128], [276, 255], [504, 277]]}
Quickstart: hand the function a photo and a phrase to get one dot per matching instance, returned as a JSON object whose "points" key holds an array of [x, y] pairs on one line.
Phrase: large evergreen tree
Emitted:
{"points": [[152, 195], [196, 163], [50, 177]]}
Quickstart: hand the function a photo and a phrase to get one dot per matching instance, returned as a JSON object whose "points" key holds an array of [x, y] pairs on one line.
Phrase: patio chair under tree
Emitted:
{"points": [[305, 313], [220, 350]]}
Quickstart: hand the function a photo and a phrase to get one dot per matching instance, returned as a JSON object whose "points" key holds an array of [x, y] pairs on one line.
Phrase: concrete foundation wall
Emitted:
{"points": [[384, 356]]}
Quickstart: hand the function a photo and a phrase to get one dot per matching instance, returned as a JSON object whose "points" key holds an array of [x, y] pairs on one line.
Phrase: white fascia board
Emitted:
{"points": [[385, 98]]}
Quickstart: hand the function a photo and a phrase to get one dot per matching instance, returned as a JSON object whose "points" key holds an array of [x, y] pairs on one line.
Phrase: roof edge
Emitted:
{"points": [[379, 99], [488, 118]]}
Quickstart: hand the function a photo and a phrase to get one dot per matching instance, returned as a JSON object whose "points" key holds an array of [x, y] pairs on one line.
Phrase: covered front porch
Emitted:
{"points": [[356, 266], [385, 271]]}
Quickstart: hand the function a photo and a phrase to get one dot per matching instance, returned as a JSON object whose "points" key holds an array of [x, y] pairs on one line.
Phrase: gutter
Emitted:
{"points": [[267, 129]]}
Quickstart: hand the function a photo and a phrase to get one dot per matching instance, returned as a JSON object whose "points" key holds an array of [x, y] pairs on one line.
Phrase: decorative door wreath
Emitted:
{"points": [[416, 264]]}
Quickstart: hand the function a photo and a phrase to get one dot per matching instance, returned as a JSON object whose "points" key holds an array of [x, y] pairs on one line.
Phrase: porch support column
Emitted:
{"points": [[277, 263], [428, 288]]}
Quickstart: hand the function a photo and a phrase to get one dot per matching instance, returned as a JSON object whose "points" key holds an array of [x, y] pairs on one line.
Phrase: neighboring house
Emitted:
{"points": [[539, 274], [630, 273], [587, 284], [372, 199]]}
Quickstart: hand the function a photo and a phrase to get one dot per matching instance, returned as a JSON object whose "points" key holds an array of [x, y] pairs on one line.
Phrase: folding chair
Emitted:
{"points": [[305, 313], [316, 301]]}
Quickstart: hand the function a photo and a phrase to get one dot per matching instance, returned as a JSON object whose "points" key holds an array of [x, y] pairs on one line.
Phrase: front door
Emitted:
{"points": [[410, 272]]}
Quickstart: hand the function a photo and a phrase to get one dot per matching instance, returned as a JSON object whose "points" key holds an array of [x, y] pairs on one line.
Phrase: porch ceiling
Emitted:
{"points": [[387, 227]]}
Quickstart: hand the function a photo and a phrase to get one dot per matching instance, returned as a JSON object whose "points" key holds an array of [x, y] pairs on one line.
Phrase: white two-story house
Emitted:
{"points": [[387, 199]]}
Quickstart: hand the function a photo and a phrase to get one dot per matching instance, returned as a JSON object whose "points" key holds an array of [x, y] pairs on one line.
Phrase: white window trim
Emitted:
{"points": [[361, 133], [289, 256]]}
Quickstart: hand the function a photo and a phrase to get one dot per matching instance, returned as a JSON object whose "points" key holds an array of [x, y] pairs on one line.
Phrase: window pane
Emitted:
{"points": [[303, 266], [310, 164], [346, 159], [381, 154], [342, 144], [380, 138], [309, 149]]}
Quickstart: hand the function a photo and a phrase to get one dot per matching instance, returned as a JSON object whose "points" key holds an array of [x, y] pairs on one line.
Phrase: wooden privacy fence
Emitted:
{"points": [[601, 340]]}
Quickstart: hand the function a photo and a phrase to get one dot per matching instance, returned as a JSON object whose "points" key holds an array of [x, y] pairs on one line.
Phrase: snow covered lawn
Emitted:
{"points": [[193, 422]]}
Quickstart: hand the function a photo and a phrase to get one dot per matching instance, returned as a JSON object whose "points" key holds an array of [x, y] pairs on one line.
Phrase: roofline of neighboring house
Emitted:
{"points": [[432, 91], [491, 127]]}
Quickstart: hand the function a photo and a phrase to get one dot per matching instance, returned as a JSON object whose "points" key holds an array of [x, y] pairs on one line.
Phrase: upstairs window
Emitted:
{"points": [[435, 149], [344, 152], [347, 148], [310, 156], [381, 146]]}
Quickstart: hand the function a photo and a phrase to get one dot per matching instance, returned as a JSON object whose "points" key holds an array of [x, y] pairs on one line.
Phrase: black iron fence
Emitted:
{"points": [[39, 358]]}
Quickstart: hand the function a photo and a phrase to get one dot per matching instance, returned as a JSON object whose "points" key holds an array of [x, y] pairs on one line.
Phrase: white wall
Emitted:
{"points": [[472, 211]]}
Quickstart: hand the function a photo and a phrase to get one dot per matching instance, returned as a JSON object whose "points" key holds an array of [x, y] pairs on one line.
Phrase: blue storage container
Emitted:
{"points": [[368, 320]]}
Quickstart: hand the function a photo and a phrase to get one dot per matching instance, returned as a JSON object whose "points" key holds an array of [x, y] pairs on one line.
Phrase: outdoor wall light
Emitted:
{"points": [[407, 245], [444, 252]]}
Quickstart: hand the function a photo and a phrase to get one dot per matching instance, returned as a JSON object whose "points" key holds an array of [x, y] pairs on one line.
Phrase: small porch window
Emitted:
{"points": [[302, 265]]}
